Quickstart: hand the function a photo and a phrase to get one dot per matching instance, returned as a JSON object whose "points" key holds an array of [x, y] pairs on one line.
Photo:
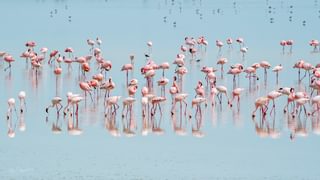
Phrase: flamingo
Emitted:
{"points": [[181, 98], [163, 82], [243, 50], [229, 42], [283, 43], [91, 43], [98, 41], [223, 90], [108, 86], [55, 102], [236, 93], [52, 56], [70, 51], [222, 61], [128, 106], [9, 59], [277, 69], [85, 86], [272, 96], [197, 102], [127, 68], [265, 65], [240, 41], [315, 44], [262, 103], [290, 43]]}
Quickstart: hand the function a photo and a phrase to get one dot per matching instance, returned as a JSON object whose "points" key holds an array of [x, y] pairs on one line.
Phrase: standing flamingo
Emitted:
{"points": [[277, 69], [265, 65], [85, 86], [9, 59], [127, 68], [283, 43], [272, 96]]}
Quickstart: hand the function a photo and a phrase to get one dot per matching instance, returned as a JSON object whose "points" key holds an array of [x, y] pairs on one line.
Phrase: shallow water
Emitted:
{"points": [[230, 148]]}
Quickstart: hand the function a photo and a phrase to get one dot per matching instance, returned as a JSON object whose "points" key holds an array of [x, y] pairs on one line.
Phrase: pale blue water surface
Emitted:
{"points": [[230, 149]]}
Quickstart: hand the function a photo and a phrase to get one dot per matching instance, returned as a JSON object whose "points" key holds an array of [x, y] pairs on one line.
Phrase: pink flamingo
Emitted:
{"points": [[164, 66], [265, 65], [9, 59], [91, 43], [229, 42], [70, 51], [299, 65], [219, 44], [156, 102], [262, 103], [85, 86], [236, 94], [127, 68], [108, 86], [163, 82], [235, 70], [52, 56], [222, 61], [272, 96], [199, 90], [67, 61], [315, 44], [130, 124], [283, 43], [31, 44], [290, 43], [240, 41], [197, 101], [181, 71], [26, 55], [277, 69]]}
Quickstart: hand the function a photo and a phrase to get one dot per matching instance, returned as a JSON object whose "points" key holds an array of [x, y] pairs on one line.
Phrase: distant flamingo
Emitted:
{"points": [[127, 68], [243, 50], [223, 90], [55, 102], [236, 94], [290, 43], [265, 65], [272, 96], [222, 61], [262, 103], [108, 86], [229, 42], [85, 86], [283, 43], [240, 41], [277, 69], [9, 59], [315, 44]]}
